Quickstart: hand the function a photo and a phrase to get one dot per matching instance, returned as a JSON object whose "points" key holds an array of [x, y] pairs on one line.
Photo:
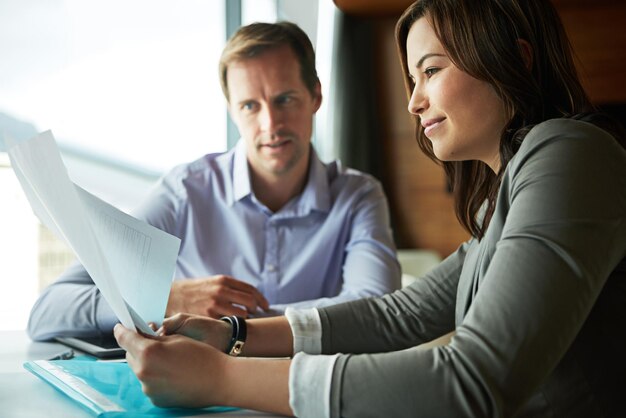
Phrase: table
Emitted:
{"points": [[23, 395]]}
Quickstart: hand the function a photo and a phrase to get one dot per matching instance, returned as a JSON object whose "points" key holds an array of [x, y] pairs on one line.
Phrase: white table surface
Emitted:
{"points": [[23, 395]]}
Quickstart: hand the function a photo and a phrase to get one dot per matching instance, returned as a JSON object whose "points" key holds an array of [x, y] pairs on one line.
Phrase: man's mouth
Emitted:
{"points": [[276, 144]]}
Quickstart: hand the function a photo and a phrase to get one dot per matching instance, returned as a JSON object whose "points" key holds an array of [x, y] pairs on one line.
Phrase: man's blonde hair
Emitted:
{"points": [[251, 40]]}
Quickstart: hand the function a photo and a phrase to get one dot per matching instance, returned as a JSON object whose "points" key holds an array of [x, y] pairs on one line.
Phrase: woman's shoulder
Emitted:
{"points": [[566, 128], [567, 152], [568, 137]]}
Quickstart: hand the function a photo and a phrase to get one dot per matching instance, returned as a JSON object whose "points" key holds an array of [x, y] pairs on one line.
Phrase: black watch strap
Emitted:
{"points": [[238, 336]]}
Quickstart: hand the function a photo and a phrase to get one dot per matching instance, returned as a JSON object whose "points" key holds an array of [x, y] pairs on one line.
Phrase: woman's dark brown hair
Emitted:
{"points": [[482, 38]]}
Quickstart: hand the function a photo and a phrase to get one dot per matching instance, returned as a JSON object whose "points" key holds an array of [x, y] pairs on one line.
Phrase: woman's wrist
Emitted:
{"points": [[255, 383], [228, 380], [223, 336], [238, 334]]}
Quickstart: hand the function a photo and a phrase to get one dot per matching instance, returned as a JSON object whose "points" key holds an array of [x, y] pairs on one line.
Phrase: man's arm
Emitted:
{"points": [[370, 266], [71, 306]]}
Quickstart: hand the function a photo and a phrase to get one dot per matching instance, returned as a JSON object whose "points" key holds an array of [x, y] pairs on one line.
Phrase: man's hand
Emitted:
{"points": [[175, 370], [209, 331], [214, 296]]}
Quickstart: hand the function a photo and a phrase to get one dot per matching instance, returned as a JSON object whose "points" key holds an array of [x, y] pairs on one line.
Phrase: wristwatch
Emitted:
{"points": [[238, 336]]}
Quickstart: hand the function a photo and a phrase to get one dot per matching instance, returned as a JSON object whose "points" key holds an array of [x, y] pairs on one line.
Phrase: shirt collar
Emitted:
{"points": [[316, 193]]}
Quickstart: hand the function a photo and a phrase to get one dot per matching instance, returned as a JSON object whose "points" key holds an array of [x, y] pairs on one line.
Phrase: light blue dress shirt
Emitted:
{"points": [[330, 244]]}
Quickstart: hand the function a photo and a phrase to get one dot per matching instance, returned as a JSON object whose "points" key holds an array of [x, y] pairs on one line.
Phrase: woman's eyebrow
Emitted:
{"points": [[425, 57]]}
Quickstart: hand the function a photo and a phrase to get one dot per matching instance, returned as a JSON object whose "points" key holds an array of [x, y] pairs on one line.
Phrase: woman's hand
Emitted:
{"points": [[213, 332], [175, 370]]}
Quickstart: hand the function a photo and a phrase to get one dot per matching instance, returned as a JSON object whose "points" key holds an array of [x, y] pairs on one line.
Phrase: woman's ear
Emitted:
{"points": [[527, 53]]}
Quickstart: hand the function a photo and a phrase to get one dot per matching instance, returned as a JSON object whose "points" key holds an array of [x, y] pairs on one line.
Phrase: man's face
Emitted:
{"points": [[273, 111]]}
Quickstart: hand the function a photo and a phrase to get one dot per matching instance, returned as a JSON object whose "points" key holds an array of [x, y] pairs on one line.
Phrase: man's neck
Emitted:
{"points": [[275, 191]]}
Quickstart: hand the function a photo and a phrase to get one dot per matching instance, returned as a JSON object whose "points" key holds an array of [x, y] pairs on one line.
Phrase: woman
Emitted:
{"points": [[537, 297]]}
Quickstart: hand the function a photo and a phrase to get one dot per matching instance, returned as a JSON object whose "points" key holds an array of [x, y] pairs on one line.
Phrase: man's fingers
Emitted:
{"points": [[227, 309], [245, 294], [249, 301], [235, 284], [261, 301]]}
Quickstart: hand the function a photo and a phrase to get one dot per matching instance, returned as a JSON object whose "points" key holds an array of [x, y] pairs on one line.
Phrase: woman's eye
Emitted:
{"points": [[430, 71], [248, 106]]}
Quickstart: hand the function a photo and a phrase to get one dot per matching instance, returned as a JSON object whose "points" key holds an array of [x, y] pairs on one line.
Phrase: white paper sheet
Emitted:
{"points": [[132, 263]]}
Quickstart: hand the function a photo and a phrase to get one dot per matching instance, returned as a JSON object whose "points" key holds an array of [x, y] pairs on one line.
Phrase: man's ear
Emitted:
{"points": [[527, 53], [317, 96]]}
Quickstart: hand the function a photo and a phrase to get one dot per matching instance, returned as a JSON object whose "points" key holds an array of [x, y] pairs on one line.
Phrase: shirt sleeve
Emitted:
{"points": [[307, 335], [562, 237], [370, 266], [73, 305], [306, 328], [314, 400], [311, 400]]}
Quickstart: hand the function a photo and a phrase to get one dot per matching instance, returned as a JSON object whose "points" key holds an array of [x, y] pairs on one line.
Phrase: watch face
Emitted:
{"points": [[237, 347]]}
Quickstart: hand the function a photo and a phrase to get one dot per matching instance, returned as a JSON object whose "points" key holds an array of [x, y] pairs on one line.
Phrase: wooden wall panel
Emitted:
{"points": [[373, 8], [595, 29]]}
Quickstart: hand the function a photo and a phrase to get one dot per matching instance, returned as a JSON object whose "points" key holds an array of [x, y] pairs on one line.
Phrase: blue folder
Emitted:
{"points": [[106, 389]]}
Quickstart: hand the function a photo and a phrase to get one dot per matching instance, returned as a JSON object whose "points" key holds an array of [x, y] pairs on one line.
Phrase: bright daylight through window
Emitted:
{"points": [[129, 89]]}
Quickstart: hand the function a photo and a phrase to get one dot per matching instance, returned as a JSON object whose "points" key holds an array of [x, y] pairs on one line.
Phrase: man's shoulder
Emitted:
{"points": [[336, 170], [200, 168], [199, 174], [343, 179]]}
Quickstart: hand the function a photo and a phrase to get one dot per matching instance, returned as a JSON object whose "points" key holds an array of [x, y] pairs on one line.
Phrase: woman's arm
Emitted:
{"points": [[408, 317], [179, 371], [266, 337], [554, 239]]}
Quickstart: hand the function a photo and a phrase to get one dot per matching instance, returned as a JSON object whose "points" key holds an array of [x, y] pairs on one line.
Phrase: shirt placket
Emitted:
{"points": [[271, 268]]}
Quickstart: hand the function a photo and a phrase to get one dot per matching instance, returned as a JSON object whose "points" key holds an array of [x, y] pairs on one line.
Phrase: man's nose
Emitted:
{"points": [[269, 118]]}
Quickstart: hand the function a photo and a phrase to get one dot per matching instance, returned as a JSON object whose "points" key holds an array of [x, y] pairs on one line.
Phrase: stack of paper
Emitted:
{"points": [[132, 263]]}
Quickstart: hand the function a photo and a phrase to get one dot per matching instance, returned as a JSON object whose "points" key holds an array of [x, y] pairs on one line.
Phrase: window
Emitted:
{"points": [[131, 81], [129, 89]]}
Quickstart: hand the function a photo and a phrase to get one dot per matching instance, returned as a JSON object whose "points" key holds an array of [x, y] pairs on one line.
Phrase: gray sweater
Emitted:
{"points": [[538, 305]]}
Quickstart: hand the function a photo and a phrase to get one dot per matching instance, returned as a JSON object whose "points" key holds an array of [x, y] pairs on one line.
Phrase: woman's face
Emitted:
{"points": [[462, 116]]}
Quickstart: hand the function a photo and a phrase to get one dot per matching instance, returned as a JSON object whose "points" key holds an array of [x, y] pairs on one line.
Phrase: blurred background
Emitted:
{"points": [[130, 89]]}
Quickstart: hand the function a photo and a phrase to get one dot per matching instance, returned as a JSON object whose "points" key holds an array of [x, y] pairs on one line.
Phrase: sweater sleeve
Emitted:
{"points": [[416, 314], [559, 238]]}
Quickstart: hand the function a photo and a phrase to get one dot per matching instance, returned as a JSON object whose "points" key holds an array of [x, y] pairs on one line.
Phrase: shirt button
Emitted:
{"points": [[271, 267]]}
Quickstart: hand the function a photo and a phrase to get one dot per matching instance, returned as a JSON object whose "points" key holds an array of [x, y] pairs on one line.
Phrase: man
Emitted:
{"points": [[264, 226]]}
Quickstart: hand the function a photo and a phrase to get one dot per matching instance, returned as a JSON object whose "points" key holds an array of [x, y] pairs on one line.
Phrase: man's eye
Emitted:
{"points": [[283, 100], [248, 106]]}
